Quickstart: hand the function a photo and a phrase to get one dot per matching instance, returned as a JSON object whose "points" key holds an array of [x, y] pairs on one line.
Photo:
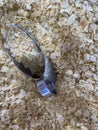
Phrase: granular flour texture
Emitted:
{"points": [[67, 32]]}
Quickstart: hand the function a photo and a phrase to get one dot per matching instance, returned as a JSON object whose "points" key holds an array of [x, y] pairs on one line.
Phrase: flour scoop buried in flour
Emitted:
{"points": [[27, 55]]}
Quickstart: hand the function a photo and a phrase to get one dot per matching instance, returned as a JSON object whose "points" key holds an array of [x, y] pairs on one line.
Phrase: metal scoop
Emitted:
{"points": [[45, 82]]}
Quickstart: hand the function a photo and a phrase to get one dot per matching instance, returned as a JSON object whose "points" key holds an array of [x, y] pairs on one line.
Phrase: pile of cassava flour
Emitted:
{"points": [[67, 32]]}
